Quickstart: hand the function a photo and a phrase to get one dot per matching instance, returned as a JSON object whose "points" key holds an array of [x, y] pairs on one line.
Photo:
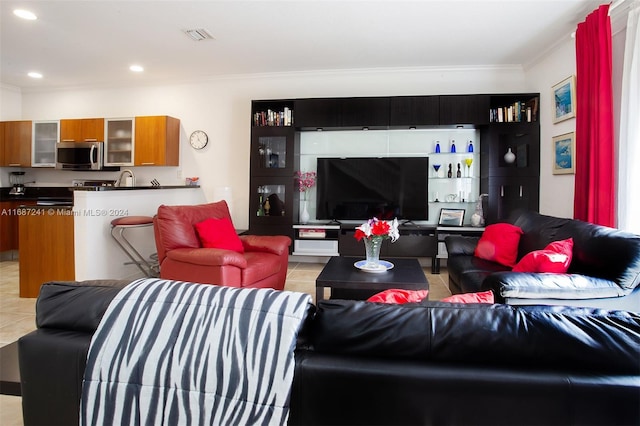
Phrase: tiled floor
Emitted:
{"points": [[17, 315]]}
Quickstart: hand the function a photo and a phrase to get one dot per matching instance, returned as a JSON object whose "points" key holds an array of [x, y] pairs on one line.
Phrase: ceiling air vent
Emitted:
{"points": [[199, 34]]}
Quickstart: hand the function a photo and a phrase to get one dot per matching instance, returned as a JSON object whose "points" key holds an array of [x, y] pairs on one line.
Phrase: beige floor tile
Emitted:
{"points": [[10, 410]]}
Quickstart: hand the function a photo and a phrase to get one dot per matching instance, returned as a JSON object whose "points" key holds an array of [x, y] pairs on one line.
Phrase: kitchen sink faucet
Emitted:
{"points": [[122, 175]]}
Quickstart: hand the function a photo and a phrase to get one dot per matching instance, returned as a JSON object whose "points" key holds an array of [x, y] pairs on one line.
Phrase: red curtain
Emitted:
{"points": [[594, 199]]}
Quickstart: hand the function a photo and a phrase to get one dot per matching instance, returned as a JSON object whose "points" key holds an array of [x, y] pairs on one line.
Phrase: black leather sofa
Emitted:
{"points": [[365, 363], [604, 271]]}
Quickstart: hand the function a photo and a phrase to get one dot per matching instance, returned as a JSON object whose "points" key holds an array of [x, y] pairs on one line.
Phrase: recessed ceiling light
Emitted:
{"points": [[34, 74], [25, 14], [136, 68]]}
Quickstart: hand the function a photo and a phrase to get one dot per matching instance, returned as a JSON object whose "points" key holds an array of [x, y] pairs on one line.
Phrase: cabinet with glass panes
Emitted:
{"points": [[274, 159], [119, 141], [43, 148]]}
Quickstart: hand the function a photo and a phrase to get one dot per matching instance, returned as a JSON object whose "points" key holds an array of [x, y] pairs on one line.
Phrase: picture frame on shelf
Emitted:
{"points": [[564, 99], [564, 157], [451, 217]]}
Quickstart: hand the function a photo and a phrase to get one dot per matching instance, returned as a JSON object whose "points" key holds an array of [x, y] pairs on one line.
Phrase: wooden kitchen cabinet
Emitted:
{"points": [[157, 141], [82, 129], [15, 144], [46, 249], [9, 223]]}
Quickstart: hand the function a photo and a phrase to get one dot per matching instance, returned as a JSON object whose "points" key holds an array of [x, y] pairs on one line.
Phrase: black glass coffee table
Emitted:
{"points": [[348, 282]]}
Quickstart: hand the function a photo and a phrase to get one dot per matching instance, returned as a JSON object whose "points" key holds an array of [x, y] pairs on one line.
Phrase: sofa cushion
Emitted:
{"points": [[469, 272], [536, 336], [219, 233], [499, 243], [555, 258], [399, 296], [479, 297], [75, 305]]}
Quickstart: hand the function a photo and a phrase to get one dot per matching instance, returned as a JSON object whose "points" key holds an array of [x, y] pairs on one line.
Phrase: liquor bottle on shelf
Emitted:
{"points": [[437, 147], [453, 145], [470, 147], [458, 173], [449, 173]]}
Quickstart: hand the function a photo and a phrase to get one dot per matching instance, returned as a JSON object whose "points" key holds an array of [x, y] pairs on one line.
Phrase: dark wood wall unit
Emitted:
{"points": [[364, 112], [414, 111], [342, 113], [513, 185], [464, 109], [505, 121], [317, 113], [275, 156]]}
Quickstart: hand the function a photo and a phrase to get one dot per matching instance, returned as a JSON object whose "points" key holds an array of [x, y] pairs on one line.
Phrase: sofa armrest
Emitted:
{"points": [[459, 245], [208, 257], [528, 285], [276, 244]]}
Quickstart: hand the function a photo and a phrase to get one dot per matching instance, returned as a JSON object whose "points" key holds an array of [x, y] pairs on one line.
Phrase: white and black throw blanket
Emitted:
{"points": [[175, 353]]}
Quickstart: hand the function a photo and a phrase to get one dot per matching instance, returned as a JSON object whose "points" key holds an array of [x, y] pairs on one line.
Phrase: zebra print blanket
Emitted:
{"points": [[176, 353]]}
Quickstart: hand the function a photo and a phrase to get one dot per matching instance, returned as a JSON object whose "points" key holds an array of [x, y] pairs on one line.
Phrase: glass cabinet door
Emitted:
{"points": [[43, 148], [272, 200], [119, 141], [272, 151]]}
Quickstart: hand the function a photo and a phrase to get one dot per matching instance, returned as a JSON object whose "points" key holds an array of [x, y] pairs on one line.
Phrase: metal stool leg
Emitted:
{"points": [[149, 269]]}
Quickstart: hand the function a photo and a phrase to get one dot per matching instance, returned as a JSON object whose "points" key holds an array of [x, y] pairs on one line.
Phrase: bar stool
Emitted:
{"points": [[121, 224]]}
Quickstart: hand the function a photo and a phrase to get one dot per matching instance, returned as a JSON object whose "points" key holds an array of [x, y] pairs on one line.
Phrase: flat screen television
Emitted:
{"points": [[362, 188]]}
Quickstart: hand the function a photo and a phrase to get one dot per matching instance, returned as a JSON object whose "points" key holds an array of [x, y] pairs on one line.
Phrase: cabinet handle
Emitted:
{"points": [[147, 164], [520, 191], [91, 140], [14, 164], [502, 190], [68, 140]]}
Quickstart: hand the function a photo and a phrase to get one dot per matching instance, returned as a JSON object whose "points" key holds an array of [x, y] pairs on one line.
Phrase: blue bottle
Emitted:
{"points": [[470, 149], [453, 146], [437, 147]]}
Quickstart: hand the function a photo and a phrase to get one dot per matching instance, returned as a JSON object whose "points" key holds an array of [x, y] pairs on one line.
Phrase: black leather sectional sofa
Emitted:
{"points": [[364, 363], [604, 271]]}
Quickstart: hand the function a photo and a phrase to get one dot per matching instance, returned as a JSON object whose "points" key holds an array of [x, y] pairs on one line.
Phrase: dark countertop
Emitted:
{"points": [[65, 193], [35, 193], [128, 188]]}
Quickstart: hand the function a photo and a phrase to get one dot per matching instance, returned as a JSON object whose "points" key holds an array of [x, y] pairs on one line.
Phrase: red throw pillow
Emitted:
{"points": [[555, 258], [480, 297], [219, 233], [399, 296], [499, 243]]}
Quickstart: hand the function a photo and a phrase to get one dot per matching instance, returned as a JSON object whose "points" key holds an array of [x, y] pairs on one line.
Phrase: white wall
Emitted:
{"points": [[10, 103], [556, 191], [222, 108]]}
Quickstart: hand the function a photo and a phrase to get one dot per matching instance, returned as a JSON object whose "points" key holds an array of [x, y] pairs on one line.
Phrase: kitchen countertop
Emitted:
{"points": [[128, 188]]}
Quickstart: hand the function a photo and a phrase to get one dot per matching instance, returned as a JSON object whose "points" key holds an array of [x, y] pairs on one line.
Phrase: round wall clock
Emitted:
{"points": [[198, 139]]}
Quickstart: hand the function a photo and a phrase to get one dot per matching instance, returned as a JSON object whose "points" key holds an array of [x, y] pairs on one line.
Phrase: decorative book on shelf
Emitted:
{"points": [[516, 112], [273, 118]]}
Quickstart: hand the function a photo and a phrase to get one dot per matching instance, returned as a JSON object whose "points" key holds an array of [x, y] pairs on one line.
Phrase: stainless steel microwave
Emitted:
{"points": [[79, 155]]}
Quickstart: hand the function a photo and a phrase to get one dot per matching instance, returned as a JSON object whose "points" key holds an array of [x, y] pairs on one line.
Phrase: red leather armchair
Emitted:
{"points": [[181, 255]]}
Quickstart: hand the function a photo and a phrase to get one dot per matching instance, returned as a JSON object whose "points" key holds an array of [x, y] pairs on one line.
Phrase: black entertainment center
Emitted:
{"points": [[353, 189]]}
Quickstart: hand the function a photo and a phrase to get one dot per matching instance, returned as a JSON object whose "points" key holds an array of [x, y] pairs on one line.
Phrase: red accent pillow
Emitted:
{"points": [[399, 296], [499, 243], [480, 297], [555, 258], [219, 233]]}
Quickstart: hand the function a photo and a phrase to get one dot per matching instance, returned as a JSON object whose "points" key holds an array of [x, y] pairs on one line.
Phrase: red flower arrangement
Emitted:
{"points": [[376, 228]]}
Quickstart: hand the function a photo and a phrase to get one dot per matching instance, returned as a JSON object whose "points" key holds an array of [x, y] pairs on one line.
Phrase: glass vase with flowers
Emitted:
{"points": [[306, 181], [373, 232]]}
